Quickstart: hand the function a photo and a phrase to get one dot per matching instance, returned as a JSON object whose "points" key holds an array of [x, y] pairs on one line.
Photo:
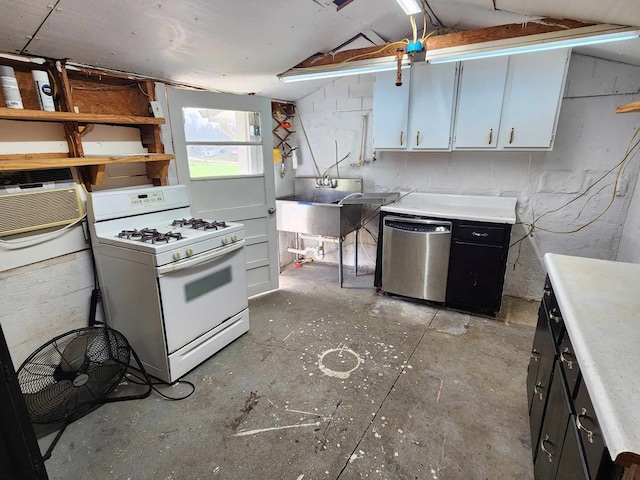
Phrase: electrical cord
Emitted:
{"points": [[629, 155], [145, 379], [426, 4], [29, 242], [153, 385], [374, 213]]}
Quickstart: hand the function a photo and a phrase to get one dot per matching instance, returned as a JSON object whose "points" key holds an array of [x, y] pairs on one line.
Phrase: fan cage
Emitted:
{"points": [[72, 373]]}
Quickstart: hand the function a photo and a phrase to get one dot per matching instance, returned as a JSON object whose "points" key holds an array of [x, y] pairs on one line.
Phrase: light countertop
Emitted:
{"points": [[600, 305], [461, 207]]}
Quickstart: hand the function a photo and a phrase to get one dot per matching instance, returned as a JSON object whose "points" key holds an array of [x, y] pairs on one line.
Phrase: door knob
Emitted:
{"points": [[271, 210]]}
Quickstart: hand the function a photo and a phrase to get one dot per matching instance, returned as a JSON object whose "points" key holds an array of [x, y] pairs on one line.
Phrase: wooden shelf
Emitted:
{"points": [[45, 116], [116, 100], [35, 162], [629, 107]]}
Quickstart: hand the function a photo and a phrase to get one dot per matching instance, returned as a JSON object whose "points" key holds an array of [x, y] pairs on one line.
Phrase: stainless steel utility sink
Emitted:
{"points": [[317, 210]]}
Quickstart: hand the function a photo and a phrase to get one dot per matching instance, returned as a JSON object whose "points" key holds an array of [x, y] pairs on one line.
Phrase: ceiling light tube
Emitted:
{"points": [[356, 67], [576, 37], [410, 7]]}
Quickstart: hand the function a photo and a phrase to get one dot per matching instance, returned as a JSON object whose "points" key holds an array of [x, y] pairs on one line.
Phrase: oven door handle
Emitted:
{"points": [[200, 259]]}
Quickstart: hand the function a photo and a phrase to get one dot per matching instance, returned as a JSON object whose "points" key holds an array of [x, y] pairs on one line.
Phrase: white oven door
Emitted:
{"points": [[201, 292]]}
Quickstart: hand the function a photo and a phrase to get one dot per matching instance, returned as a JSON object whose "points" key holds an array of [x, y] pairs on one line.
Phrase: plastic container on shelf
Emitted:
{"points": [[10, 90], [43, 88]]}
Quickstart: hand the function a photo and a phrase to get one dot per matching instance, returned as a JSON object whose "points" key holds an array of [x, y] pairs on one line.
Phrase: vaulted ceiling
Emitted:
{"points": [[240, 46]]}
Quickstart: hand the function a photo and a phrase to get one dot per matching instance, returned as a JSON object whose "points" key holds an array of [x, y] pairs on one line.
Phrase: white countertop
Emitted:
{"points": [[600, 304], [461, 207]]}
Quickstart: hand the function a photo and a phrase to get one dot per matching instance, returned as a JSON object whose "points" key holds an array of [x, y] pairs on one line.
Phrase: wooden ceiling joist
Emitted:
{"points": [[457, 39], [366, 53], [502, 32], [633, 107]]}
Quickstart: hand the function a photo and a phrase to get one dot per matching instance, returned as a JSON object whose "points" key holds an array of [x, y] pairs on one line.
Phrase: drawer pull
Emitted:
{"points": [[535, 355], [478, 234], [547, 292], [549, 454], [535, 390], [581, 427], [555, 315], [563, 359]]}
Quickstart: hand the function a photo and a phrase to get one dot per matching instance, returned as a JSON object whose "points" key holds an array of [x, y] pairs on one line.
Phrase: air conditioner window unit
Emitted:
{"points": [[38, 199]]}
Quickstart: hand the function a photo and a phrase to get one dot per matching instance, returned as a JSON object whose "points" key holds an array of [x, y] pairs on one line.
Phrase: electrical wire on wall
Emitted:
{"points": [[629, 155]]}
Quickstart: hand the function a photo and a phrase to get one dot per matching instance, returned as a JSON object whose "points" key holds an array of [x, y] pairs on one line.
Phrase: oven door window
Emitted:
{"points": [[197, 299], [207, 284]]}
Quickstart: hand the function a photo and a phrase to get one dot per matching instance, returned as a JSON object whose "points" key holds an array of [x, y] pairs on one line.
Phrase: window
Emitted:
{"points": [[222, 143]]}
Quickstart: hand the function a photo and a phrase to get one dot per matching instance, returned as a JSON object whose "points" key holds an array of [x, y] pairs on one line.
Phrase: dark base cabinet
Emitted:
{"points": [[565, 434], [477, 264]]}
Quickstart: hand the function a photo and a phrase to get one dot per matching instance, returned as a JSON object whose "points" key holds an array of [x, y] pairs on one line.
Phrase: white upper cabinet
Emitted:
{"points": [[499, 103], [433, 89], [480, 96], [535, 84], [390, 110]]}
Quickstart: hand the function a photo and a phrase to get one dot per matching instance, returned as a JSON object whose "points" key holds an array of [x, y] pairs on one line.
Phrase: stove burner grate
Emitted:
{"points": [[150, 235], [198, 223]]}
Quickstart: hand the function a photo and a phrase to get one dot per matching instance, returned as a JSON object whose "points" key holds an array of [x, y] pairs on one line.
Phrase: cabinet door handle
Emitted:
{"points": [[401, 138], [478, 234], [581, 427], [418, 138], [549, 454], [535, 390], [535, 355], [490, 136], [511, 136], [563, 359], [547, 292], [554, 315]]}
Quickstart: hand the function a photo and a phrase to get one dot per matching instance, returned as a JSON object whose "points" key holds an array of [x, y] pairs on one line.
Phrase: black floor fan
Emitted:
{"points": [[74, 373]]}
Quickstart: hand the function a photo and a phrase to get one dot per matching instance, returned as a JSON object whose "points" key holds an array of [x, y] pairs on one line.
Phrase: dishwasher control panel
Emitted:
{"points": [[419, 226]]}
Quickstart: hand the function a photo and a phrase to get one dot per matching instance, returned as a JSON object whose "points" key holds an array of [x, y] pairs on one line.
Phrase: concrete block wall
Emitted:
{"points": [[590, 140]]}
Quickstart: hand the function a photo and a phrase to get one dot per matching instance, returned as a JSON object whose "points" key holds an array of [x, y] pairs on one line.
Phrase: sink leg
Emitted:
{"points": [[340, 273], [356, 259]]}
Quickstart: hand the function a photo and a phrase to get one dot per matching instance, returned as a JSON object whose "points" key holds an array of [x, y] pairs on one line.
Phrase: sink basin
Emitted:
{"points": [[316, 211], [315, 217]]}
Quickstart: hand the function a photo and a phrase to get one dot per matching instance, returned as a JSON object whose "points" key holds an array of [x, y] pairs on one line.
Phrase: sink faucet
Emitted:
{"points": [[326, 182]]}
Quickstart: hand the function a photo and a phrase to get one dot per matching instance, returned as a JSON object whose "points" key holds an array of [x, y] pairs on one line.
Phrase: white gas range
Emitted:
{"points": [[174, 285]]}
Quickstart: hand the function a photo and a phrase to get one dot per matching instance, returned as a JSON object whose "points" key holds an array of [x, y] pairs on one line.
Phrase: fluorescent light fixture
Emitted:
{"points": [[356, 67], [575, 37], [410, 7]]}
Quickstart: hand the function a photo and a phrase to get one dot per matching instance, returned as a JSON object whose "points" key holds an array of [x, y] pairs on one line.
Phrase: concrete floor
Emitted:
{"points": [[329, 383]]}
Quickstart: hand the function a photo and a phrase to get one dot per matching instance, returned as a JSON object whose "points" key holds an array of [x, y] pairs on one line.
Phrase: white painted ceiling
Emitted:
{"points": [[240, 46]]}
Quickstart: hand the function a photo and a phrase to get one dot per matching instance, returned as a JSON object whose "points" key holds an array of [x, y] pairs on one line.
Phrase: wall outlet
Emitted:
{"points": [[156, 109]]}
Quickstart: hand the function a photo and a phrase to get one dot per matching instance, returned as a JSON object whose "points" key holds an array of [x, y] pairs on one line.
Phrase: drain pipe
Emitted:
{"points": [[318, 252]]}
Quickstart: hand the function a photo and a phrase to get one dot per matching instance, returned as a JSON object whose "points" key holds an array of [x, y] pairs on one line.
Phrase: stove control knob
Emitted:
{"points": [[225, 240], [176, 255], [234, 238], [189, 252]]}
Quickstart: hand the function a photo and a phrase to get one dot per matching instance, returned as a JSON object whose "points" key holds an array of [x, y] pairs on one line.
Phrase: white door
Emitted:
{"points": [[535, 84], [390, 110], [433, 90], [480, 102], [224, 155]]}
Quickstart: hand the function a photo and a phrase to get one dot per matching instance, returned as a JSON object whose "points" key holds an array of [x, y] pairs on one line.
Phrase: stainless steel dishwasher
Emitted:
{"points": [[415, 257]]}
